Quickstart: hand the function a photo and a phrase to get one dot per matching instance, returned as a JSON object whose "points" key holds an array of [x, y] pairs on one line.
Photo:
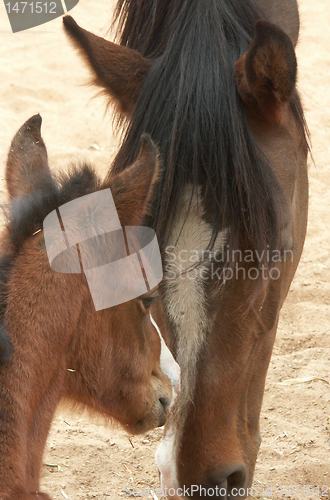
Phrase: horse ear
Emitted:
{"points": [[27, 163], [119, 70], [266, 73], [135, 188]]}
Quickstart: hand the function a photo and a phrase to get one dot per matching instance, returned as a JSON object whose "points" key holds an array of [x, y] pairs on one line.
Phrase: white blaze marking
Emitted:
{"points": [[186, 306], [185, 294]]}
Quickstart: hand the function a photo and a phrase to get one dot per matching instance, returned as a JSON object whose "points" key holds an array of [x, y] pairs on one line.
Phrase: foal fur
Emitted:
{"points": [[53, 343]]}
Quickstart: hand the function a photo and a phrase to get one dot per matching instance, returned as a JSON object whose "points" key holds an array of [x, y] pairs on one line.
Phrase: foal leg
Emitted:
{"points": [[25, 418], [38, 433], [13, 438]]}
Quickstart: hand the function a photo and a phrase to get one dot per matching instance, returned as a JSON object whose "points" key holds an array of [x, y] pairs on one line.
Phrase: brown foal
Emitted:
{"points": [[56, 345]]}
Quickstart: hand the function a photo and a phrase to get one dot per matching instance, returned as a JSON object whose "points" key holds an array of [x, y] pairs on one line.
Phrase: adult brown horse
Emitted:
{"points": [[214, 83], [106, 361]]}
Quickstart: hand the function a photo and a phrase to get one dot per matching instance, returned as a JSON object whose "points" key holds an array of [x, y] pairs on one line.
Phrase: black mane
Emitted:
{"points": [[190, 106]]}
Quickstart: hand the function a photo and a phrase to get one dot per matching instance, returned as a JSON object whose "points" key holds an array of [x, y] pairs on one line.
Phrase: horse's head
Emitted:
{"points": [[113, 354], [217, 90]]}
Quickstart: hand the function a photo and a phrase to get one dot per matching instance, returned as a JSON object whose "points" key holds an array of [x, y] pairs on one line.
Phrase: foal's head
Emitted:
{"points": [[111, 357]]}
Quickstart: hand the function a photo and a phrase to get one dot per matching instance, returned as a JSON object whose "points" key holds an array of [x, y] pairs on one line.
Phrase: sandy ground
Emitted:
{"points": [[86, 459]]}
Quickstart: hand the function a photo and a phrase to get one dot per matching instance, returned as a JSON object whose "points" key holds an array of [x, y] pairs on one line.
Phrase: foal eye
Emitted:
{"points": [[147, 301]]}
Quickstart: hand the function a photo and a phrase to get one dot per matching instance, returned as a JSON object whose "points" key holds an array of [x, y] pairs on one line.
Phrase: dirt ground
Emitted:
{"points": [[88, 459]]}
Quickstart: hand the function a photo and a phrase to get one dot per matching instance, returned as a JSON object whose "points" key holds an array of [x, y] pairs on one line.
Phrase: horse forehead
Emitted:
{"points": [[185, 288], [190, 232], [185, 295], [186, 256]]}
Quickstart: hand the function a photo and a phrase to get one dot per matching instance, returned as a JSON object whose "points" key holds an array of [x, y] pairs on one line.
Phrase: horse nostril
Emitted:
{"points": [[237, 479], [234, 477], [165, 402]]}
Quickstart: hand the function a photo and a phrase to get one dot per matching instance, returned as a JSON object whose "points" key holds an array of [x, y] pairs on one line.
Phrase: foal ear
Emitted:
{"points": [[135, 188], [266, 73], [27, 163], [119, 70]]}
